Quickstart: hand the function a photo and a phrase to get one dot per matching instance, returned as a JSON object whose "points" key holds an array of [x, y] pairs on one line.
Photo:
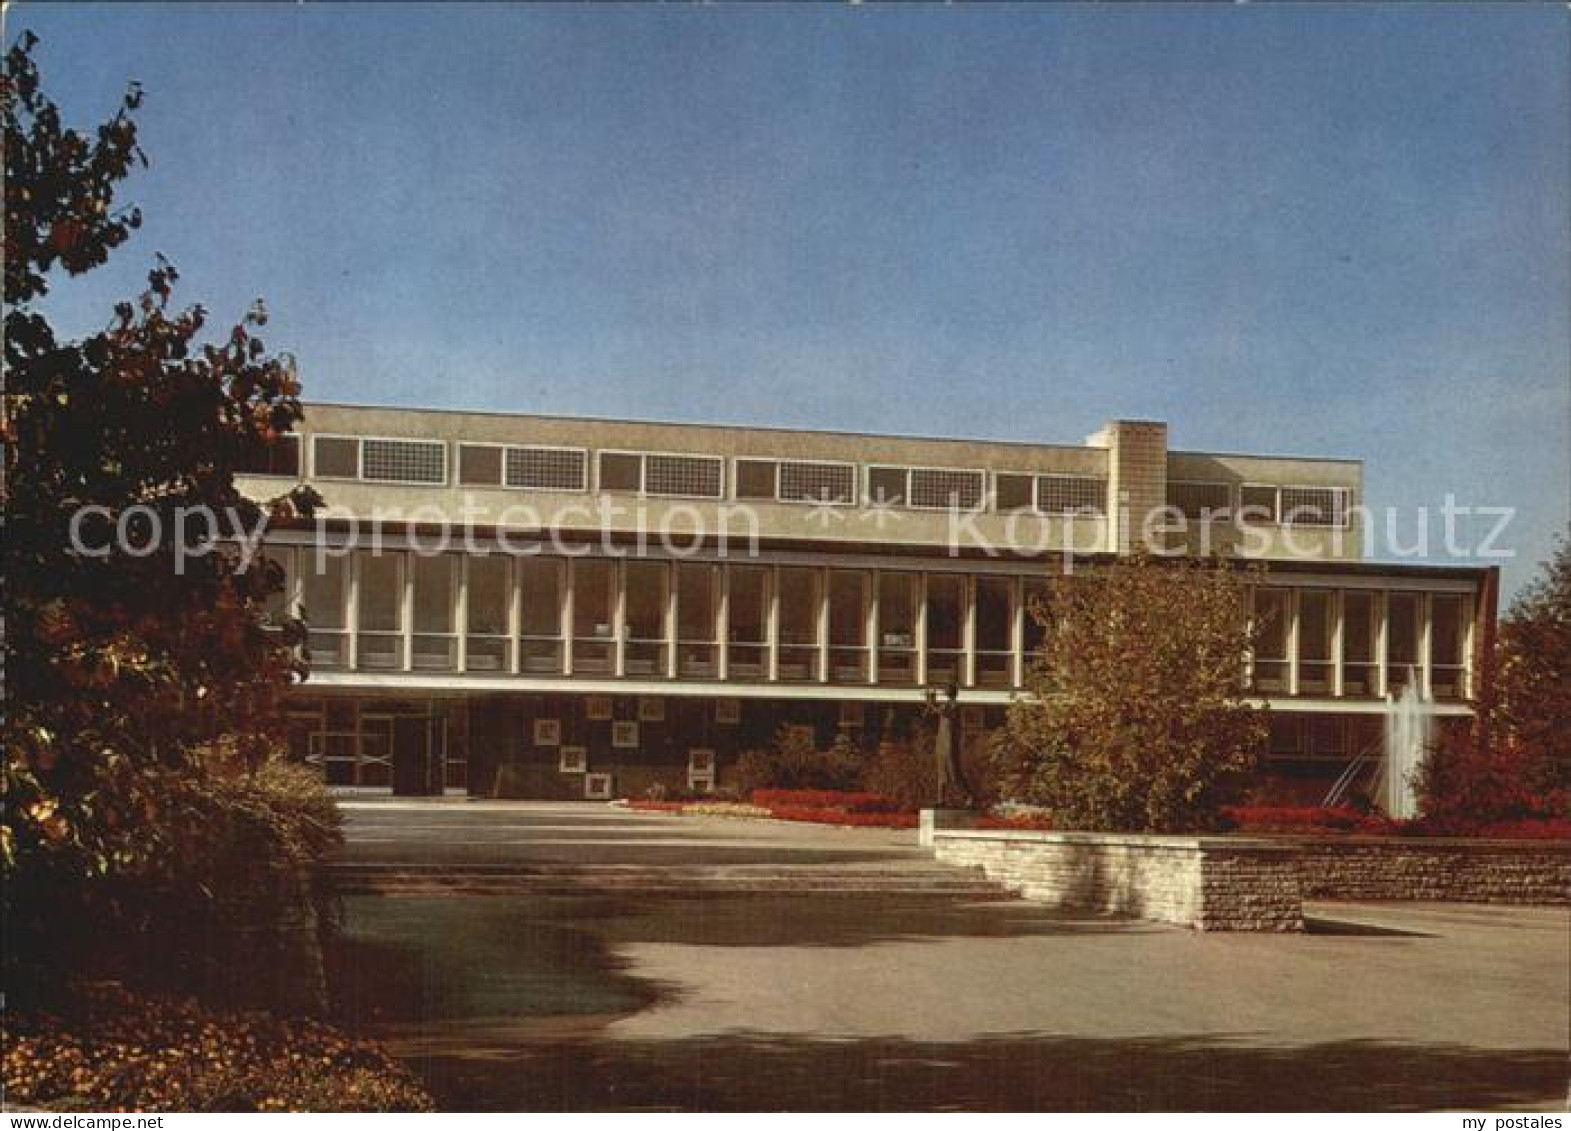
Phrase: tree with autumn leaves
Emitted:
{"points": [[122, 664], [1136, 717], [1513, 759]]}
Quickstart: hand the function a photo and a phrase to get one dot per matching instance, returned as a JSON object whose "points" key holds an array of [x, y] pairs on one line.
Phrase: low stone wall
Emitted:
{"points": [[1210, 883], [1460, 871]]}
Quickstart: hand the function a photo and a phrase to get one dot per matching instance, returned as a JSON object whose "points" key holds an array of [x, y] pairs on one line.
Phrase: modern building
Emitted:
{"points": [[558, 607]]}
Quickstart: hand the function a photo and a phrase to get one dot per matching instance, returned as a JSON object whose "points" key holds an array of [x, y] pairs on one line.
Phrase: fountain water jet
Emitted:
{"points": [[1410, 725]]}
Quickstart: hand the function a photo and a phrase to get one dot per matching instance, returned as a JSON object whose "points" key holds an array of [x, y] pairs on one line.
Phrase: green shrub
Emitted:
{"points": [[906, 771], [231, 908], [1135, 718], [796, 762]]}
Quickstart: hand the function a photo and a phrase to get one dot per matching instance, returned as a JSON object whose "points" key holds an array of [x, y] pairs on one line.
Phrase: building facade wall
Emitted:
{"points": [[441, 613]]}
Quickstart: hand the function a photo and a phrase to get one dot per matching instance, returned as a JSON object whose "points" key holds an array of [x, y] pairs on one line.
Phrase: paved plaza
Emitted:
{"points": [[787, 996]]}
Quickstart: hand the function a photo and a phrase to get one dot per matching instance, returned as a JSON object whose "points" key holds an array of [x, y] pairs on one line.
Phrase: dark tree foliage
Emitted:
{"points": [[1535, 675], [119, 668], [1514, 759]]}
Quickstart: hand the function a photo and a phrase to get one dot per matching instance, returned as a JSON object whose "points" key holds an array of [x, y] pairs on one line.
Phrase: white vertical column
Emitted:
{"points": [[870, 612], [722, 620], [1292, 640], [1017, 632], [619, 616], [919, 624], [670, 619], [1338, 647], [567, 580], [295, 563], [823, 626], [515, 644], [460, 563], [1382, 635], [351, 597], [968, 589], [1425, 633], [406, 615], [772, 623]]}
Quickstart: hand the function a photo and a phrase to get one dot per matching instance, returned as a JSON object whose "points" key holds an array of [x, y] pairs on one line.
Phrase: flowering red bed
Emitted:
{"points": [[843, 817], [844, 801], [873, 810], [1316, 821]]}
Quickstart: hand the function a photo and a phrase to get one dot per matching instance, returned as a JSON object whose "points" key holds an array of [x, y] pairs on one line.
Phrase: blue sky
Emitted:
{"points": [[1309, 229]]}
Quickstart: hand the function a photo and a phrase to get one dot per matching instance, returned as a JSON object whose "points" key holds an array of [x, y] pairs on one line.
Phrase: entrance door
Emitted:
{"points": [[415, 772]]}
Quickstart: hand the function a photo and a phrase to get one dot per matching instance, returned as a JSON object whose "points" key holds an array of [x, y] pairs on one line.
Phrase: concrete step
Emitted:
{"points": [[363, 878], [683, 891]]}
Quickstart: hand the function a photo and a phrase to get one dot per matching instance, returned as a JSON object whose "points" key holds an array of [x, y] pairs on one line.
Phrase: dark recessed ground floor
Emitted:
{"points": [[566, 746]]}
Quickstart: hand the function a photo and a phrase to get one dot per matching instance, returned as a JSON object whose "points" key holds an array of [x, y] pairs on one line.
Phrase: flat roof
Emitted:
{"points": [[841, 432]]}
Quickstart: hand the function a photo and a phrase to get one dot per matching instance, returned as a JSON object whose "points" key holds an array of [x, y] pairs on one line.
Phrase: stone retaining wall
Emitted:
{"points": [[1462, 871], [1210, 883]]}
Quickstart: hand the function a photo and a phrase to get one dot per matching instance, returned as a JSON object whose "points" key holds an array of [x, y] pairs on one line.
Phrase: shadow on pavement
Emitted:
{"points": [[743, 1072]]}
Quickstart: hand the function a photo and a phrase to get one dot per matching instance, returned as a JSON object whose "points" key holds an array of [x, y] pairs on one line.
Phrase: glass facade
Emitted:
{"points": [[534, 615]]}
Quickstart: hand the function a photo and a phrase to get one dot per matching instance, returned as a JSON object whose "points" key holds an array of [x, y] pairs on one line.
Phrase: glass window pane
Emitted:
{"points": [[944, 610], [748, 604], [945, 628], [886, 485], [381, 593], [755, 479], [1071, 494], [1199, 500], [992, 614], [847, 619], [646, 600], [335, 457], [801, 481], [698, 477], [621, 472], [487, 595], [479, 465], [433, 593], [1447, 643], [897, 609], [540, 596], [798, 657], [323, 599], [695, 601], [1313, 506], [1358, 642], [798, 606], [897, 628], [594, 597], [1314, 625], [1358, 626], [747, 630], [1314, 642], [404, 461], [943, 490], [1013, 492], [547, 469], [1401, 631], [1271, 623], [1257, 503], [1446, 629]]}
